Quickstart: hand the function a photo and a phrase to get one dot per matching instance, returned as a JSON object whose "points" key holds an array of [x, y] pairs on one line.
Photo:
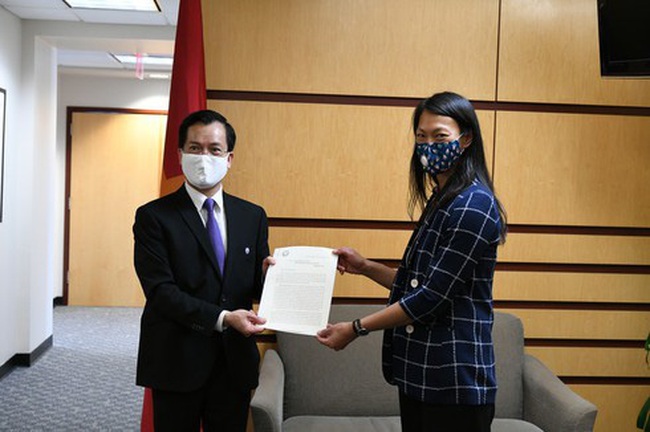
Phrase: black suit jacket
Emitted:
{"points": [[185, 291]]}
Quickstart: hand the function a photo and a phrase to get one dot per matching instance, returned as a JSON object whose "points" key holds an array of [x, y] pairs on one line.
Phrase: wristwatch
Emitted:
{"points": [[359, 330]]}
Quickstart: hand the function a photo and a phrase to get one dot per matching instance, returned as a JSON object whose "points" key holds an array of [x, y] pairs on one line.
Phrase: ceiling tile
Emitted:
{"points": [[42, 13], [48, 4], [170, 10], [87, 59]]}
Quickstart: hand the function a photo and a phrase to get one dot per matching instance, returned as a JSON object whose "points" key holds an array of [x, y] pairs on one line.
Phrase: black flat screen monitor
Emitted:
{"points": [[624, 36]]}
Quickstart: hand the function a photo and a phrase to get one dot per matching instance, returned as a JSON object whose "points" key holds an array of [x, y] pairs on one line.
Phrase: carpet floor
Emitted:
{"points": [[85, 381]]}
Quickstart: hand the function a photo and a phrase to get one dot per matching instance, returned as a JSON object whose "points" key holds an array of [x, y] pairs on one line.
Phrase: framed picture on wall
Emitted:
{"points": [[3, 109]]}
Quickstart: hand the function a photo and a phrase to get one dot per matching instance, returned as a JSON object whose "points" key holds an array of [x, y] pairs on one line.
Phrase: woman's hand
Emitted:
{"points": [[350, 261], [336, 336]]}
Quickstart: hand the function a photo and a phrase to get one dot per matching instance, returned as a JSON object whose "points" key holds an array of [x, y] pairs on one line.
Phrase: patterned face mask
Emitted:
{"points": [[436, 157]]}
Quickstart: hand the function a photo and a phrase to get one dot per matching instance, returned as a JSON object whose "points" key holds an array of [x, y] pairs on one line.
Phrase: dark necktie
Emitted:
{"points": [[214, 233]]}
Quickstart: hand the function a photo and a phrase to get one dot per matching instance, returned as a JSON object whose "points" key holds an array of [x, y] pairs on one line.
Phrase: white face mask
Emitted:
{"points": [[204, 171]]}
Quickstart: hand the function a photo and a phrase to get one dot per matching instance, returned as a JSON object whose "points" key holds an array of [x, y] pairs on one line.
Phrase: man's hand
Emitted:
{"points": [[244, 321], [268, 261]]}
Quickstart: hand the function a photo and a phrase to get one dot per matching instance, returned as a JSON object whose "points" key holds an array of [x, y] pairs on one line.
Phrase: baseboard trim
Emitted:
{"points": [[6, 368], [26, 359], [29, 358]]}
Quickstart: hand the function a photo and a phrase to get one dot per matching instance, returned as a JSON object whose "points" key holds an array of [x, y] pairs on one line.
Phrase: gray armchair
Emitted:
{"points": [[306, 387]]}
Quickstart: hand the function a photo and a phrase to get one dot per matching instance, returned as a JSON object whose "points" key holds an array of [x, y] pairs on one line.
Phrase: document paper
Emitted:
{"points": [[298, 290]]}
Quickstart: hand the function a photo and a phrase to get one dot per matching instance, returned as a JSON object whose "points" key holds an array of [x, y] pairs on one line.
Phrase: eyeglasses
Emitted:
{"points": [[198, 150]]}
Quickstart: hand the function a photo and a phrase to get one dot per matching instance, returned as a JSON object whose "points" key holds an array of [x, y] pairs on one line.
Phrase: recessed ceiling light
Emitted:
{"points": [[133, 5], [158, 76], [147, 60]]}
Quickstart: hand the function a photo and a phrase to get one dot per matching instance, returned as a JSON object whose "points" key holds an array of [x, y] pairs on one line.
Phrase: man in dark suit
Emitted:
{"points": [[200, 266]]}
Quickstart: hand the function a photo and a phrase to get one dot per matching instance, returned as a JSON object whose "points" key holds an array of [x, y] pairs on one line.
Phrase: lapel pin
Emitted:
{"points": [[247, 250]]}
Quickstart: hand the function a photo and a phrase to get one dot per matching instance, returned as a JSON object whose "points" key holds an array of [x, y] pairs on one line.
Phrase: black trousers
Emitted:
{"points": [[216, 407], [419, 416]]}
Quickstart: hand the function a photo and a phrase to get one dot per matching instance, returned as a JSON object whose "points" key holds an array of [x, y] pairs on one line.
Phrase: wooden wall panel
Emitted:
{"points": [[572, 287], [376, 244], [324, 161], [361, 47], [509, 285], [519, 247], [564, 65], [618, 405], [583, 324], [569, 169], [593, 361], [575, 248], [578, 288], [358, 287], [301, 160]]}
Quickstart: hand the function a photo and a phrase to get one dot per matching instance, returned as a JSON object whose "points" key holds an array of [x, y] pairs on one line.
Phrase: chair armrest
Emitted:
{"points": [[552, 405], [267, 402]]}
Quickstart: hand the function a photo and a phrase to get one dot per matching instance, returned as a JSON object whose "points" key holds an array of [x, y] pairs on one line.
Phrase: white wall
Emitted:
{"points": [[77, 90], [13, 270], [32, 230], [39, 229], [28, 252]]}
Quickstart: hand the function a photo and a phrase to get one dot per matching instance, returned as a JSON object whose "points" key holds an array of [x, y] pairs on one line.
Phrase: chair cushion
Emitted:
{"points": [[323, 382], [508, 338], [382, 424], [342, 424], [513, 425]]}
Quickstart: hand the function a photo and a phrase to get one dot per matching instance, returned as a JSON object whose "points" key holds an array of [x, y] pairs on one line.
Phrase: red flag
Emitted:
{"points": [[146, 425], [187, 93]]}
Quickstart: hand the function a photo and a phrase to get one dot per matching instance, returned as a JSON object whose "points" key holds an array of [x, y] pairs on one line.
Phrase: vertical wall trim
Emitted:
{"points": [[496, 92], [498, 54]]}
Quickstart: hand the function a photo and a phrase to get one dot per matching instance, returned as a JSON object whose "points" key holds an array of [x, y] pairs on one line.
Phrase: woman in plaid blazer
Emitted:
{"points": [[437, 341]]}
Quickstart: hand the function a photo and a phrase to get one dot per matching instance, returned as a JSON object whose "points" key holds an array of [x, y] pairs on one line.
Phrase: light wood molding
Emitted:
{"points": [[576, 249], [583, 324], [549, 52], [569, 169], [572, 287], [363, 47], [592, 361], [324, 161]]}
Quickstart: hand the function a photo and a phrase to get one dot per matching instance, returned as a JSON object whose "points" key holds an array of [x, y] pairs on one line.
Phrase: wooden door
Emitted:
{"points": [[115, 166]]}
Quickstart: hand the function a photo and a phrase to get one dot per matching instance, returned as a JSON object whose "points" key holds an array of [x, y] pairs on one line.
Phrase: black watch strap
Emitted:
{"points": [[359, 330]]}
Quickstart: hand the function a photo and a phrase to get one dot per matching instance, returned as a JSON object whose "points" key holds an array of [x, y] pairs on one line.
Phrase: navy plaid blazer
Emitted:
{"points": [[444, 283]]}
